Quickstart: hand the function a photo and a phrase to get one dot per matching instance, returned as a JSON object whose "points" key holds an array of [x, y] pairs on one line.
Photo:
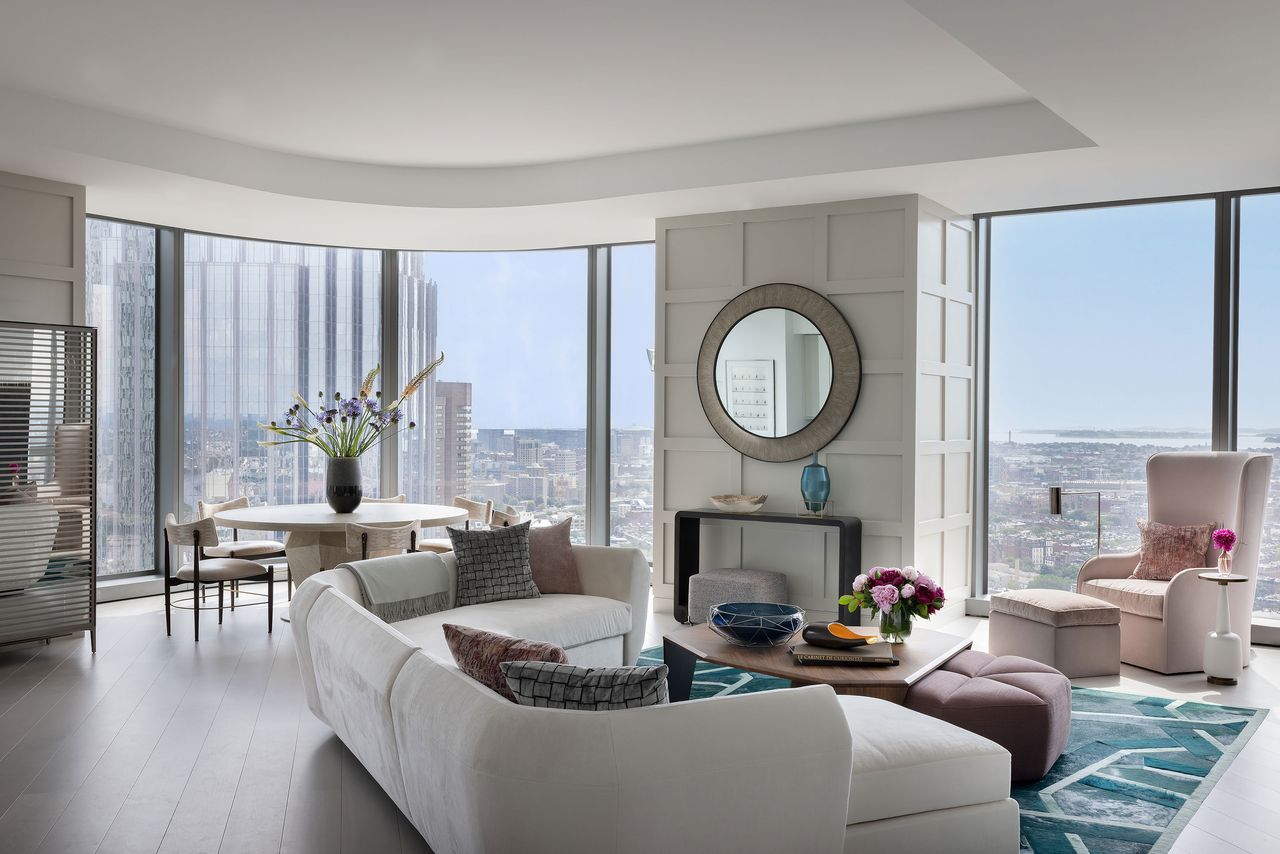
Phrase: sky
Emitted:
{"points": [[514, 324], [1103, 318]]}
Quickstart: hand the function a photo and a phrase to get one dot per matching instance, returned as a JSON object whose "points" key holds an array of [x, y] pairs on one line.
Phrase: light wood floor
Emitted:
{"points": [[161, 745]]}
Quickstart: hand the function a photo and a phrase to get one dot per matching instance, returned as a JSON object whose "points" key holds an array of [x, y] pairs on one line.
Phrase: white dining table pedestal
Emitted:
{"points": [[1222, 653]]}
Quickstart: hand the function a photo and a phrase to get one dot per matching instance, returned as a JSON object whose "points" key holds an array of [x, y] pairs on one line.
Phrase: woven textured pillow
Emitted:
{"points": [[593, 689], [1169, 549], [479, 654], [493, 565], [555, 570]]}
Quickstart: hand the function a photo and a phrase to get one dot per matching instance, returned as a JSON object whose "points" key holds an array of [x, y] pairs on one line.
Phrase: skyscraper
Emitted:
{"points": [[419, 297], [453, 445]]}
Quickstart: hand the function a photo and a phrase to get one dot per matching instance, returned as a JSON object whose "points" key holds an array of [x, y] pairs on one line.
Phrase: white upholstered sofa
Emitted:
{"points": [[790, 770]]}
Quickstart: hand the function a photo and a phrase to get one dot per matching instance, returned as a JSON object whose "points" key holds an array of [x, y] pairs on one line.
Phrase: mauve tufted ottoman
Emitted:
{"points": [[1020, 704]]}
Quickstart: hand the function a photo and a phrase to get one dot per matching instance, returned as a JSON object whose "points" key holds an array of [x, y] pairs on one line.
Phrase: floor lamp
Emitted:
{"points": [[1055, 507]]}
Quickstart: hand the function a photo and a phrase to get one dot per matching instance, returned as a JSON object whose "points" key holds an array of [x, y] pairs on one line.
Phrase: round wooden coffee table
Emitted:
{"points": [[1223, 663], [924, 652]]}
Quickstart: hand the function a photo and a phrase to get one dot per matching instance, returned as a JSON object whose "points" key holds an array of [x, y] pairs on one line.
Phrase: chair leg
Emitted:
{"points": [[168, 623], [235, 589], [271, 598], [195, 609], [221, 584], [288, 587]]}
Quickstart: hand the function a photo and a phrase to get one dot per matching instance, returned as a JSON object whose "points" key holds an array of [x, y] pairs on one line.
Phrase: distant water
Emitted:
{"points": [[1246, 441]]}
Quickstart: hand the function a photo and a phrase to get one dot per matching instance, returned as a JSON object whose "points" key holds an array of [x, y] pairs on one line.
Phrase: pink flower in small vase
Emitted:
{"points": [[1224, 539]]}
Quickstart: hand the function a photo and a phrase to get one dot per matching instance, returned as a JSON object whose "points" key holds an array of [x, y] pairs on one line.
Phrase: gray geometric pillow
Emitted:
{"points": [[594, 689], [493, 565]]}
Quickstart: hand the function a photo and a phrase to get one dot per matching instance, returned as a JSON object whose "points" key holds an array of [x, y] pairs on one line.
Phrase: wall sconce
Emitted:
{"points": [[1055, 507]]}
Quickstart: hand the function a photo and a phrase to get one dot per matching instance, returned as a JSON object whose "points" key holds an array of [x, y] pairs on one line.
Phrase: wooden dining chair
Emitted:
{"points": [[203, 571], [506, 518], [249, 549], [480, 512], [395, 499], [368, 538]]}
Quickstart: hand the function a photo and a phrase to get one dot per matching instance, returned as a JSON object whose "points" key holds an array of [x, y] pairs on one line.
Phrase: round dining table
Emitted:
{"points": [[316, 537]]}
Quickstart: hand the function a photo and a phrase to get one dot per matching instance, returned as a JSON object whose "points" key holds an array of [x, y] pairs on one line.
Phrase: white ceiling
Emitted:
{"points": [[511, 124]]}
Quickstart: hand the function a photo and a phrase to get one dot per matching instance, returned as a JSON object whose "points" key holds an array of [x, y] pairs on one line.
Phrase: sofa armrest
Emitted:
{"points": [[621, 574], [1106, 566]]}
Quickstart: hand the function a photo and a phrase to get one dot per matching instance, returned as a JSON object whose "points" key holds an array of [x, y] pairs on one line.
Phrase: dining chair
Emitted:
{"points": [[395, 499], [506, 518], [368, 538], [203, 571], [249, 549], [480, 512]]}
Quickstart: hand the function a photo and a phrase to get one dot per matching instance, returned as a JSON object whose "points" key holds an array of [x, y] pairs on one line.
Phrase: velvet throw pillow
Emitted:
{"points": [[480, 654], [592, 689], [493, 564], [1169, 549], [551, 557]]}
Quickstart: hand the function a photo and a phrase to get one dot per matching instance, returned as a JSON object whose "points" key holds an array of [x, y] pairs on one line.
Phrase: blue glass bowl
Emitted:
{"points": [[756, 623]]}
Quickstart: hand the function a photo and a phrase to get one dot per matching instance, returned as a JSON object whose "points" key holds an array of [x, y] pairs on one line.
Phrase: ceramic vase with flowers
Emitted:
{"points": [[1224, 540], [900, 595], [344, 429]]}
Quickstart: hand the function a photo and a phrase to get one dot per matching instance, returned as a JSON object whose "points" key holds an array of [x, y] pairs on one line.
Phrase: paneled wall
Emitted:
{"points": [[41, 250], [900, 270]]}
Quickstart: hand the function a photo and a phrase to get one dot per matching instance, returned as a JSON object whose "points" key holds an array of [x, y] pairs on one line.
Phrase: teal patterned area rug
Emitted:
{"points": [[1134, 772]]}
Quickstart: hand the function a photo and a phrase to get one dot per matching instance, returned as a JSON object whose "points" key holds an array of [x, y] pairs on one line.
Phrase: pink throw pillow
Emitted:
{"points": [[1169, 549], [479, 653], [555, 570]]}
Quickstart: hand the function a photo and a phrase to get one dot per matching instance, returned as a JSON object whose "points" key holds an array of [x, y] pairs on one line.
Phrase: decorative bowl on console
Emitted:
{"points": [[756, 623], [739, 503]]}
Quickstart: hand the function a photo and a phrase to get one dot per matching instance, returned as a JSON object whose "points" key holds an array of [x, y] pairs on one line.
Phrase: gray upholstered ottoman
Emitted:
{"points": [[1071, 632], [1021, 705], [717, 586]]}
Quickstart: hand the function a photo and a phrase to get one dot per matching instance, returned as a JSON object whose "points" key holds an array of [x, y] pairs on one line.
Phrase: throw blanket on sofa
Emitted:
{"points": [[401, 587]]}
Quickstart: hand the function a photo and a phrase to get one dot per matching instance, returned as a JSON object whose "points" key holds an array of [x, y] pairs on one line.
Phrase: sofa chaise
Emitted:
{"points": [[790, 770]]}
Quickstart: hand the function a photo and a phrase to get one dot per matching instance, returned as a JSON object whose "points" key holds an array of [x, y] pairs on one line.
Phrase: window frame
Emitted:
{"points": [[170, 366], [1225, 349]]}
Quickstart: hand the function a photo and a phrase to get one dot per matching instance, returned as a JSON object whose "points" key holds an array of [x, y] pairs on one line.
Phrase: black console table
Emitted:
{"points": [[687, 543]]}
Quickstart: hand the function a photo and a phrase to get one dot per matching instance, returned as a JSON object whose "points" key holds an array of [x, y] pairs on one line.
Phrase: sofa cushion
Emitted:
{"points": [[906, 763], [555, 570], [590, 689], [559, 618], [480, 655], [1057, 608], [493, 565], [1139, 596]]}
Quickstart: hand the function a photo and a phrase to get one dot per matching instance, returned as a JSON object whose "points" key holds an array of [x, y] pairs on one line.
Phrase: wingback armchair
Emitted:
{"points": [[1163, 623]]}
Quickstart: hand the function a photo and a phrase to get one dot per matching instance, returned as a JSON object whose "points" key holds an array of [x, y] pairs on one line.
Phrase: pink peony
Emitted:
{"points": [[1224, 539], [885, 596], [859, 584], [908, 590], [925, 591], [891, 576], [910, 573]]}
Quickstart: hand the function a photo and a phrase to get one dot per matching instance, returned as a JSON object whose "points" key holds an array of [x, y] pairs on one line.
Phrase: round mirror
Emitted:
{"points": [[779, 372], [773, 372]]}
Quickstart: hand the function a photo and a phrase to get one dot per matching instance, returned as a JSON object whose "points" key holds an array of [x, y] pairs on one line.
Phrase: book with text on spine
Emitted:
{"points": [[870, 655]]}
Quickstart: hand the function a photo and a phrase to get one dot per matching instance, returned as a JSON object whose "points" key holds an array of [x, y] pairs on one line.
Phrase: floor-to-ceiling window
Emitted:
{"points": [[261, 321], [1101, 353], [120, 300], [631, 303], [1258, 416], [505, 417]]}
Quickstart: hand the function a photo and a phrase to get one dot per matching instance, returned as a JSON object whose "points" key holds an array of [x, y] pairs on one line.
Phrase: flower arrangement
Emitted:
{"points": [[1224, 540], [899, 594], [347, 427]]}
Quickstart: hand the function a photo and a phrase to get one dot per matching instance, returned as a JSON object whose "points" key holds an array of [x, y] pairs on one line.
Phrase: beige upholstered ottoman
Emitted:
{"points": [[1073, 633]]}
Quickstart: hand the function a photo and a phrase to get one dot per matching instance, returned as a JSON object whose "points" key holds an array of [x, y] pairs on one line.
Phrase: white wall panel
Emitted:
{"points": [[41, 250], [702, 257], [868, 486], [878, 415], [929, 492], [959, 407], [691, 476], [682, 410], [930, 407], [778, 251], [869, 245], [957, 479], [877, 321], [686, 323]]}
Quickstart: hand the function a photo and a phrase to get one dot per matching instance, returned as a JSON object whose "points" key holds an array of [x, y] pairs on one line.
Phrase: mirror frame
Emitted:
{"points": [[846, 372]]}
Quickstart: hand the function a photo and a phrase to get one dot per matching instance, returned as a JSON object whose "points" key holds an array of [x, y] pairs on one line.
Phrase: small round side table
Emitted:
{"points": [[1222, 656]]}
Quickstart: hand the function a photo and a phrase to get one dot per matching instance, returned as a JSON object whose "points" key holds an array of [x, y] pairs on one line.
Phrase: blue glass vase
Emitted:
{"points": [[815, 486]]}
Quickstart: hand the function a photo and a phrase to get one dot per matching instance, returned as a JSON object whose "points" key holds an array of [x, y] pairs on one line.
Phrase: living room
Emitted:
{"points": [[581, 427]]}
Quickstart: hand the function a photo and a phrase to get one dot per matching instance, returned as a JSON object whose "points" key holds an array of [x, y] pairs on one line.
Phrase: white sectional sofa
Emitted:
{"points": [[791, 770]]}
